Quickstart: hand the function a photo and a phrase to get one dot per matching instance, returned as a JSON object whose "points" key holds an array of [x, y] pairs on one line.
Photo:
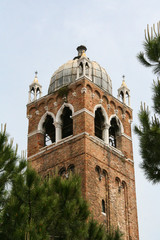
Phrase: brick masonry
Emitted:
{"points": [[115, 181]]}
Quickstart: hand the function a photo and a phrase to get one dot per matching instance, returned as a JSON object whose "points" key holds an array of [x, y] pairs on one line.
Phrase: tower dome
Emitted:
{"points": [[77, 68]]}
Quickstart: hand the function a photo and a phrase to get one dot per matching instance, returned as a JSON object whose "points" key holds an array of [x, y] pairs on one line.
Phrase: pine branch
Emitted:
{"points": [[142, 60]]}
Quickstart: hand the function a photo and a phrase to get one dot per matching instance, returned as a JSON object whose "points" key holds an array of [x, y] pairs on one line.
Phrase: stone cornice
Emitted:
{"points": [[70, 138], [53, 145], [35, 132], [81, 111], [126, 136]]}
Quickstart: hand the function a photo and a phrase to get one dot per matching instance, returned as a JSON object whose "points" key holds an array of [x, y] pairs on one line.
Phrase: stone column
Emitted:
{"points": [[77, 72], [129, 100], [58, 127], [84, 69], [106, 133]]}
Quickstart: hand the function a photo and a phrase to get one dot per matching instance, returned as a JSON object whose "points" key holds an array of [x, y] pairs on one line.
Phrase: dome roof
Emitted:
{"points": [[67, 73]]}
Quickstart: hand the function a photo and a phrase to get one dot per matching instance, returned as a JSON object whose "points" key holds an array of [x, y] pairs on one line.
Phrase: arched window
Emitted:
{"points": [[99, 123], [62, 171], [86, 69], [71, 168], [103, 206], [67, 122], [80, 69], [127, 98], [121, 96], [113, 132], [49, 131]]}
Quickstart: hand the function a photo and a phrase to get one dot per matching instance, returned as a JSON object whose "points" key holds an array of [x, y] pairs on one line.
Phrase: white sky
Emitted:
{"points": [[42, 35]]}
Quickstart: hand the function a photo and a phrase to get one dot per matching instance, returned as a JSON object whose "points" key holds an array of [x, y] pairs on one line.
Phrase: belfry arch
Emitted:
{"points": [[64, 121], [115, 131], [101, 123]]}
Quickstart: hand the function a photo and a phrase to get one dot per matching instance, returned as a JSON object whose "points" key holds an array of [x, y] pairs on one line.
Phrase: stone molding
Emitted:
{"points": [[83, 90], [35, 132], [93, 138], [57, 144], [128, 137], [81, 111]]}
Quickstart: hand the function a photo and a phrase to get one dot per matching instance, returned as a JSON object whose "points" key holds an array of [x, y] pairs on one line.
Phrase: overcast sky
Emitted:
{"points": [[42, 35]]}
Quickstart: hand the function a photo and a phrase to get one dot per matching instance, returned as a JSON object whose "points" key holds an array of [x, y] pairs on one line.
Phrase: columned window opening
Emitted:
{"points": [[113, 132], [103, 206], [80, 69], [127, 98], [99, 123], [87, 69], [67, 122], [49, 131], [121, 96]]}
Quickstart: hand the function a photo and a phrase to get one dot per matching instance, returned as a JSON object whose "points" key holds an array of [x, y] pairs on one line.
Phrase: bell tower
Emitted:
{"points": [[80, 126]]}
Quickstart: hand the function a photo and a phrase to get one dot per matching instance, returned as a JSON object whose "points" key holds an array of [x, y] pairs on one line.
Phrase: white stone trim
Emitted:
{"points": [[61, 110], [128, 137], [103, 112], [105, 133], [116, 150], [123, 115], [29, 116], [121, 125], [130, 160], [83, 90], [96, 139], [116, 111], [74, 94], [35, 132], [104, 214], [37, 112], [40, 124], [108, 106], [93, 95], [57, 144], [46, 108], [93, 138], [130, 121], [81, 111]]}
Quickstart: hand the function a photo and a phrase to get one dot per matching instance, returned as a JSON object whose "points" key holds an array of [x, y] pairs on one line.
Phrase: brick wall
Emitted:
{"points": [[115, 183]]}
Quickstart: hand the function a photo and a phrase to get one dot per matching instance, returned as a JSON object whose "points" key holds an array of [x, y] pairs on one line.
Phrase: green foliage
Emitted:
{"points": [[10, 164], [156, 97], [25, 212], [71, 211], [149, 136], [96, 231], [149, 130], [114, 234], [151, 57], [39, 209]]}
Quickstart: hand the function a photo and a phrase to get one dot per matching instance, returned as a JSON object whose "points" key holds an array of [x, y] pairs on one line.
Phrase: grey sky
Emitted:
{"points": [[42, 35]]}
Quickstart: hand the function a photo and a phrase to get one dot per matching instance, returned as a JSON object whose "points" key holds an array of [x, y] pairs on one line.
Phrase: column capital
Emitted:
{"points": [[57, 124], [106, 126]]}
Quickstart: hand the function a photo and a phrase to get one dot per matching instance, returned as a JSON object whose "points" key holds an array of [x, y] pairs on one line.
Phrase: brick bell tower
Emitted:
{"points": [[80, 126]]}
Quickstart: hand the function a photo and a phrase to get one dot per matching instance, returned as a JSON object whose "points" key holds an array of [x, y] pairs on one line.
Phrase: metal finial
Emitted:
{"points": [[81, 49], [36, 74], [123, 77]]}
